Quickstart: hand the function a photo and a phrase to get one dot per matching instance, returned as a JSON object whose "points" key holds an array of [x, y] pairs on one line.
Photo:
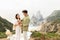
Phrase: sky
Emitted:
{"points": [[8, 8]]}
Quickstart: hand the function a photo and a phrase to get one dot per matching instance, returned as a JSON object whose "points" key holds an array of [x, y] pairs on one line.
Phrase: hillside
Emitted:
{"points": [[54, 16], [53, 23], [36, 19], [4, 24]]}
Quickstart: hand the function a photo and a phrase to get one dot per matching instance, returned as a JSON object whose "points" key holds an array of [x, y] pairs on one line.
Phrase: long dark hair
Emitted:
{"points": [[16, 16]]}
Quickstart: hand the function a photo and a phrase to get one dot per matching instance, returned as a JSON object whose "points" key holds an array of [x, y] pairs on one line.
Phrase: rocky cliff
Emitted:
{"points": [[53, 23]]}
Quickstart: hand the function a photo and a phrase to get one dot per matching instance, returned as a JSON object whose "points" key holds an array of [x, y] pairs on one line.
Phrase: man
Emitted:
{"points": [[25, 23]]}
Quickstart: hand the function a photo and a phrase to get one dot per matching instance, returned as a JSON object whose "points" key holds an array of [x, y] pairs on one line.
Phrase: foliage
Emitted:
{"points": [[52, 35], [36, 34], [3, 35], [4, 24], [49, 35]]}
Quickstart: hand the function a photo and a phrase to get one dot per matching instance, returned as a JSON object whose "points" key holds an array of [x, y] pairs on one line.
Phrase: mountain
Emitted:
{"points": [[55, 15], [4, 24], [53, 23], [36, 19]]}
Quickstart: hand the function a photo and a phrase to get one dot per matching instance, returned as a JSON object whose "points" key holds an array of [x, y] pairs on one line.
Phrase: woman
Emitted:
{"points": [[17, 27]]}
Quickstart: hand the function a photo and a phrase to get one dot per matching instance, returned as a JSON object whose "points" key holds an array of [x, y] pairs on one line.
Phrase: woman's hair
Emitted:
{"points": [[16, 16]]}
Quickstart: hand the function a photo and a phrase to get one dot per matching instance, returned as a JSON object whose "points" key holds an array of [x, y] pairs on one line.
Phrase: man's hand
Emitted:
{"points": [[16, 25]]}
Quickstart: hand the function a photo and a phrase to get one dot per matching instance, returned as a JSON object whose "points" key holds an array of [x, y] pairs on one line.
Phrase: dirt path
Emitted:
{"points": [[3, 39]]}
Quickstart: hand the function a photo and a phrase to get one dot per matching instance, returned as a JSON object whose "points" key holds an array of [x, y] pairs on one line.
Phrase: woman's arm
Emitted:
{"points": [[14, 26]]}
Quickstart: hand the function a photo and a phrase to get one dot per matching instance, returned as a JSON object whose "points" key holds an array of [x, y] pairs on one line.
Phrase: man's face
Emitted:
{"points": [[24, 14]]}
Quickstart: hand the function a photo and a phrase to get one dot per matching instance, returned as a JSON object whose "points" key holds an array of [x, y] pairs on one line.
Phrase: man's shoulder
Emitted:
{"points": [[28, 17]]}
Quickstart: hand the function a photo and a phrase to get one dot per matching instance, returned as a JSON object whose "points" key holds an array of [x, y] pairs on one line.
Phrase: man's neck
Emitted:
{"points": [[26, 15]]}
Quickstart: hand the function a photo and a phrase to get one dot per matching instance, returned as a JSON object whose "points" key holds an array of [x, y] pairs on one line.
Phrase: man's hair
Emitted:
{"points": [[25, 11]]}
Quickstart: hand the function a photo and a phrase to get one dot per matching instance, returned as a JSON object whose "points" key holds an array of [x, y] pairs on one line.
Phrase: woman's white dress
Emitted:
{"points": [[18, 32], [17, 35]]}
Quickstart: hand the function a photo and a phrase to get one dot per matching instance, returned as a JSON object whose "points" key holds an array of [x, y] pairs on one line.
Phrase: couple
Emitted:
{"points": [[22, 25]]}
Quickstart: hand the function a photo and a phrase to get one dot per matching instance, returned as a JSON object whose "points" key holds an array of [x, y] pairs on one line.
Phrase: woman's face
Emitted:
{"points": [[18, 16]]}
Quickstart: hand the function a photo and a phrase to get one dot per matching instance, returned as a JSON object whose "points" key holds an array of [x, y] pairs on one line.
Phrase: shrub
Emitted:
{"points": [[36, 34], [2, 35]]}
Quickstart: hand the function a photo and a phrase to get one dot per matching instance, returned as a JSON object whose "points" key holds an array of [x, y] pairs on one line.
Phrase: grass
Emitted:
{"points": [[52, 35], [36, 34], [2, 35], [47, 35]]}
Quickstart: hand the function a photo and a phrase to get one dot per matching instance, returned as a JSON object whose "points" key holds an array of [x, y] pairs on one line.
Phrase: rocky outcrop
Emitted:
{"points": [[52, 26], [49, 27], [55, 15], [36, 19], [52, 23]]}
